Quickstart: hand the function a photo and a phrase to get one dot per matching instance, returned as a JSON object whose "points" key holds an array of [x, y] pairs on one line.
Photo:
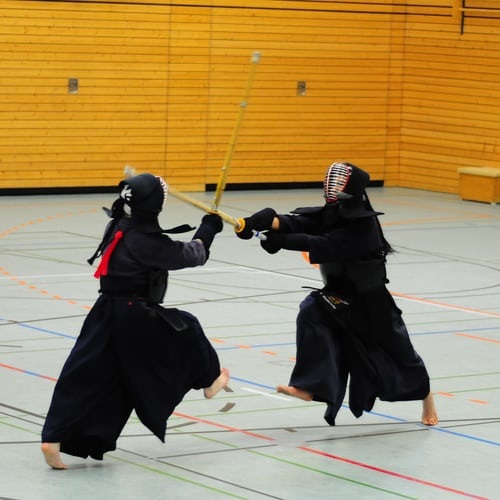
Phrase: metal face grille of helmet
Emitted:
{"points": [[336, 179], [164, 187]]}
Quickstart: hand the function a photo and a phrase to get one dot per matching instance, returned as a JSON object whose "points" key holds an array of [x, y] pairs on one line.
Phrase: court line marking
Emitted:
{"points": [[313, 450]]}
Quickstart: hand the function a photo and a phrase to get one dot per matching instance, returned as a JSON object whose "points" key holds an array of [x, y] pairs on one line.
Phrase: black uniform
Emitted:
{"points": [[132, 353], [352, 327]]}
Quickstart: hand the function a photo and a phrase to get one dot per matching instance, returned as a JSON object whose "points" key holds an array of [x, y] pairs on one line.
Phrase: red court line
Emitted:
{"points": [[303, 448], [338, 458], [392, 473], [223, 426], [14, 368]]}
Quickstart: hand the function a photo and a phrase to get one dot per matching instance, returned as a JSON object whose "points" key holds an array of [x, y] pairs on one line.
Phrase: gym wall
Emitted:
{"points": [[408, 90]]}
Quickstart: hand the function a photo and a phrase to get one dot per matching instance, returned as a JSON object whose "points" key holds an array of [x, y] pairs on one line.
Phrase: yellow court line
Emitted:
{"points": [[475, 337]]}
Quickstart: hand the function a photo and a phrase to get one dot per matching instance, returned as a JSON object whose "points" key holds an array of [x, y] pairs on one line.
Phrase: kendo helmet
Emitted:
{"points": [[343, 181], [145, 193]]}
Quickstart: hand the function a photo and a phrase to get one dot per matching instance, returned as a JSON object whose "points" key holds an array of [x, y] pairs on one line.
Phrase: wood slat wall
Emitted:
{"points": [[119, 54], [451, 101], [408, 90]]}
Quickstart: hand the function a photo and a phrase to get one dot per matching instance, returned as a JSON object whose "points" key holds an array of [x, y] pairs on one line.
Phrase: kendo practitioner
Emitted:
{"points": [[132, 353], [351, 328]]}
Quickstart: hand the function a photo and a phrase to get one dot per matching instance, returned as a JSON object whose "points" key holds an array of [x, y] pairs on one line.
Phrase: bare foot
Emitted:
{"points": [[219, 383], [429, 413], [295, 392], [52, 456]]}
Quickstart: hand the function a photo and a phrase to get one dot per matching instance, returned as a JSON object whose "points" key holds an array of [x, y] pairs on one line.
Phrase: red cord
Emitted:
{"points": [[102, 269]]}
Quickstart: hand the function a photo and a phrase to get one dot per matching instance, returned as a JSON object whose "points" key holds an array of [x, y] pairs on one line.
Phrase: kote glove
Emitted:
{"points": [[275, 241], [259, 221], [211, 224], [214, 221]]}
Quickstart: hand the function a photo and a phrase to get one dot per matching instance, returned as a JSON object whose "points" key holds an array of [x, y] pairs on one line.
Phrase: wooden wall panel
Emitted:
{"points": [[407, 89], [451, 102], [185, 155], [290, 138], [50, 138]]}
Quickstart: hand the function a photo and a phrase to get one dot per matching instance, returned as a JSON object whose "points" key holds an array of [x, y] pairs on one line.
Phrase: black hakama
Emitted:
{"points": [[128, 356], [375, 356]]}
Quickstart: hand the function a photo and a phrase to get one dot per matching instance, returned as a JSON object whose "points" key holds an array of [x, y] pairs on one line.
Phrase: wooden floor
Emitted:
{"points": [[251, 442]]}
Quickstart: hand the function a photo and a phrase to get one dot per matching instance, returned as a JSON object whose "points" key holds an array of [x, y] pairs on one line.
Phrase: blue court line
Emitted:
{"points": [[37, 328], [389, 417], [264, 386], [435, 332], [466, 436], [458, 330]]}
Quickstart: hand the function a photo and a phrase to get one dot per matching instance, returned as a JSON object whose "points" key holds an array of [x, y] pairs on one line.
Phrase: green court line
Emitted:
{"points": [[24, 429], [330, 474], [175, 476], [466, 375], [296, 464], [474, 390], [216, 441], [31, 351]]}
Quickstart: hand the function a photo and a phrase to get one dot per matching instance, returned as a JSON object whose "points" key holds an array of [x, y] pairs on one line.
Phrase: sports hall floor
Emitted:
{"points": [[250, 442]]}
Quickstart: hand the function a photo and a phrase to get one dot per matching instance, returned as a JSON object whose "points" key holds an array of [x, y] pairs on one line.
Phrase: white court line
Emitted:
{"points": [[268, 394], [394, 294], [260, 271], [283, 275]]}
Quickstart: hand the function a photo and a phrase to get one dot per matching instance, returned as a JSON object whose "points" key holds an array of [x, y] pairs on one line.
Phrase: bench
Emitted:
{"points": [[479, 184]]}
